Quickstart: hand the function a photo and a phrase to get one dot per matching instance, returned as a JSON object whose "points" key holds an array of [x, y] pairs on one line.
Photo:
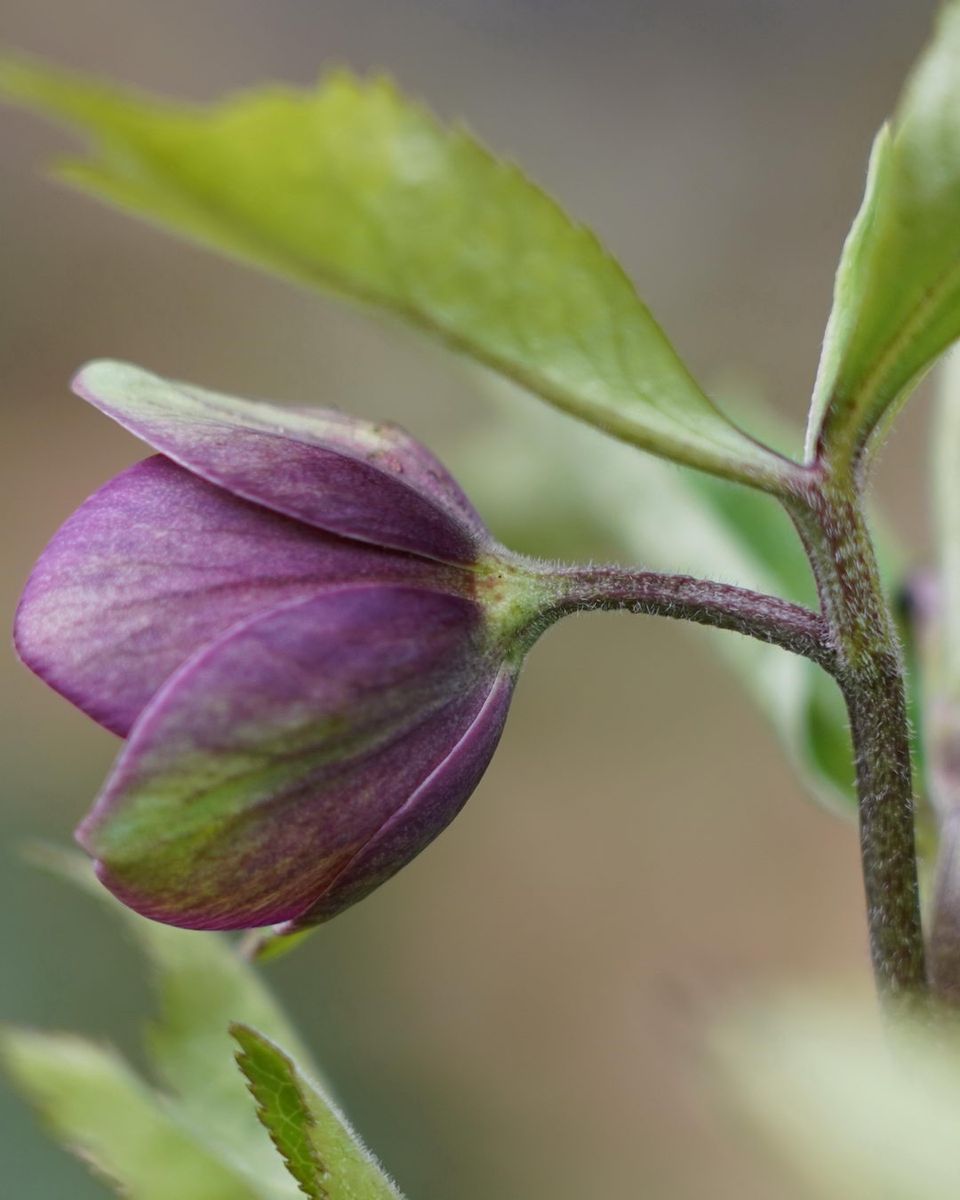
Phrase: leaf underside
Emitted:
{"points": [[897, 294], [354, 188]]}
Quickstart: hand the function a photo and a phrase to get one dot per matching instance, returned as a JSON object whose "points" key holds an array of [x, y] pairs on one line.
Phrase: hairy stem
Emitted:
{"points": [[853, 637], [869, 670], [721, 605]]}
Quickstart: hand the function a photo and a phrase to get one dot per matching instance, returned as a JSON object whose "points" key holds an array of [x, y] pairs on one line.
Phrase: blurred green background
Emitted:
{"points": [[522, 1012]]}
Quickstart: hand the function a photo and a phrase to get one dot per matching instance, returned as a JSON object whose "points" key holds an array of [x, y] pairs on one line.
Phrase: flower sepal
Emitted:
{"points": [[305, 635]]}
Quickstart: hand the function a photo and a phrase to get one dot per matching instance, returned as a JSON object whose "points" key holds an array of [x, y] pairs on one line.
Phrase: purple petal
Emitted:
{"points": [[428, 811], [351, 477], [159, 563], [273, 763]]}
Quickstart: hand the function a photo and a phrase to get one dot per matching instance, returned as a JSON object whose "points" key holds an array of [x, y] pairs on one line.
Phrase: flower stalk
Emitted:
{"points": [[704, 601], [853, 638], [869, 670], [257, 537]]}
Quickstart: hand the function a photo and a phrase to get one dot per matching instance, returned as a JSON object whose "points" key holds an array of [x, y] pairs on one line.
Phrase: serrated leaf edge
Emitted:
{"points": [[244, 1060]]}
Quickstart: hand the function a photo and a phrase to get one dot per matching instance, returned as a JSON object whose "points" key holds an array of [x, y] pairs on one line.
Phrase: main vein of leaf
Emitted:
{"points": [[604, 417], [873, 380]]}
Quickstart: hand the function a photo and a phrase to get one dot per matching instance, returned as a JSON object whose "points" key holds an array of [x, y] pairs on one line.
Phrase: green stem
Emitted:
{"points": [[854, 638], [869, 671]]}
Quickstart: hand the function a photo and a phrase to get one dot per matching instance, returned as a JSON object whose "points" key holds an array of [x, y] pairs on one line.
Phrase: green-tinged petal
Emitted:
{"points": [[301, 759]]}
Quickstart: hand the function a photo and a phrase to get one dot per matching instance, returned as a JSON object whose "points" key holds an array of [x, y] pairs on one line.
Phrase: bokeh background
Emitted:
{"points": [[523, 1012]]}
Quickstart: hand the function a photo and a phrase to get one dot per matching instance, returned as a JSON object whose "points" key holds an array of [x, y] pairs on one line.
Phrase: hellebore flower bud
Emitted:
{"points": [[306, 636]]}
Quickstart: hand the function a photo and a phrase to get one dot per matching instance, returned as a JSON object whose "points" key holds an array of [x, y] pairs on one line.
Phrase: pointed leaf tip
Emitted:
{"points": [[896, 304], [320, 1150], [282, 1108]]}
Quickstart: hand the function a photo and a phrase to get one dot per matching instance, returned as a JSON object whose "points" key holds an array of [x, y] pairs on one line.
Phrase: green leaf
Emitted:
{"points": [[108, 1117], [946, 505], [897, 295], [935, 621], [204, 986], [353, 187], [582, 494], [283, 1109], [935, 604], [859, 1111], [200, 1138], [322, 1153]]}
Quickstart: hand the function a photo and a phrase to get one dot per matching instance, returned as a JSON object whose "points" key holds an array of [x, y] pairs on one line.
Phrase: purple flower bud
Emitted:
{"points": [[306, 635]]}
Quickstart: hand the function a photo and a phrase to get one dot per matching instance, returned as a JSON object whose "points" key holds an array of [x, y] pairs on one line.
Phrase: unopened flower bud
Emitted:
{"points": [[306, 636]]}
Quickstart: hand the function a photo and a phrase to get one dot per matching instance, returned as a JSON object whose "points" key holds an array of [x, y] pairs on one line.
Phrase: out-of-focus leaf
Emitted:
{"points": [[127, 1133], [859, 1112], [322, 1153], [201, 1137], [934, 606], [935, 626], [267, 945], [545, 485], [940, 648], [204, 985], [897, 296], [355, 188]]}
